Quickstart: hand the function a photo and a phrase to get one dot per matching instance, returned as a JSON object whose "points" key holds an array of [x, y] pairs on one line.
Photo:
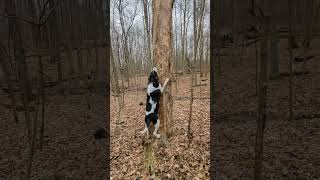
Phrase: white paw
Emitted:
{"points": [[143, 131], [153, 176], [157, 135]]}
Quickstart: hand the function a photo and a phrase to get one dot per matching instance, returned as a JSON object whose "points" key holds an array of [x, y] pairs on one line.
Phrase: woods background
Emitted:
{"points": [[265, 82], [54, 62]]}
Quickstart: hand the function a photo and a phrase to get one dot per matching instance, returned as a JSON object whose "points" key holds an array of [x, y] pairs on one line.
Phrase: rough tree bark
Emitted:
{"points": [[162, 54]]}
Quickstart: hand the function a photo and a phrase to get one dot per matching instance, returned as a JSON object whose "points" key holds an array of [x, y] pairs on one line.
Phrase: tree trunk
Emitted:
{"points": [[114, 73], [42, 102], [262, 101], [257, 66], [9, 80], [176, 49], [274, 48], [83, 80], [124, 41], [146, 21], [195, 48], [96, 50], [308, 16], [184, 41], [291, 44], [53, 38], [234, 32], [68, 52], [162, 54], [20, 58], [199, 26]]}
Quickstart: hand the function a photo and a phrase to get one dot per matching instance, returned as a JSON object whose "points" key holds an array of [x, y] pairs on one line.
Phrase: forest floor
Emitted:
{"points": [[176, 161], [69, 149], [291, 148]]}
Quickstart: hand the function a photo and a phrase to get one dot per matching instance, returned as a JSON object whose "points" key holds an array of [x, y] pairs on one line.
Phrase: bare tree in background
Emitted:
{"points": [[261, 121], [234, 31], [184, 27], [290, 46], [195, 48], [20, 58], [147, 28], [53, 38], [274, 43], [308, 20], [125, 33], [4, 62]]}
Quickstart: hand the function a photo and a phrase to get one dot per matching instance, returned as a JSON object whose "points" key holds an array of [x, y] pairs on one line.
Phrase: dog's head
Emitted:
{"points": [[153, 77]]}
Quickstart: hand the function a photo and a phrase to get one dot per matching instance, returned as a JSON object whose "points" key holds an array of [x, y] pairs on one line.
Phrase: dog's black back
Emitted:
{"points": [[154, 97]]}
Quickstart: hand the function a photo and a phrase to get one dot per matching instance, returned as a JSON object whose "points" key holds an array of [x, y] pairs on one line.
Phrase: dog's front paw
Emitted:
{"points": [[157, 135]]}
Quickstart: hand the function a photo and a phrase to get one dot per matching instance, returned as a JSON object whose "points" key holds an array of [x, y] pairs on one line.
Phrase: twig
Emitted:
{"points": [[24, 19]]}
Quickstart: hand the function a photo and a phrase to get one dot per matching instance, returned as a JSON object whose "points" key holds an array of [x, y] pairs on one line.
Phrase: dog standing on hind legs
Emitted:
{"points": [[154, 91]]}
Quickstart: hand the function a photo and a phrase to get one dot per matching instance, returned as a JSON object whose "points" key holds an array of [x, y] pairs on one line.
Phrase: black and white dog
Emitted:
{"points": [[154, 92]]}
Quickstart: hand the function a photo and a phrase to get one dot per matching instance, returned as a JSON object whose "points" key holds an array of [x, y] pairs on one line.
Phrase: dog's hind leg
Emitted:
{"points": [[156, 127], [144, 131]]}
